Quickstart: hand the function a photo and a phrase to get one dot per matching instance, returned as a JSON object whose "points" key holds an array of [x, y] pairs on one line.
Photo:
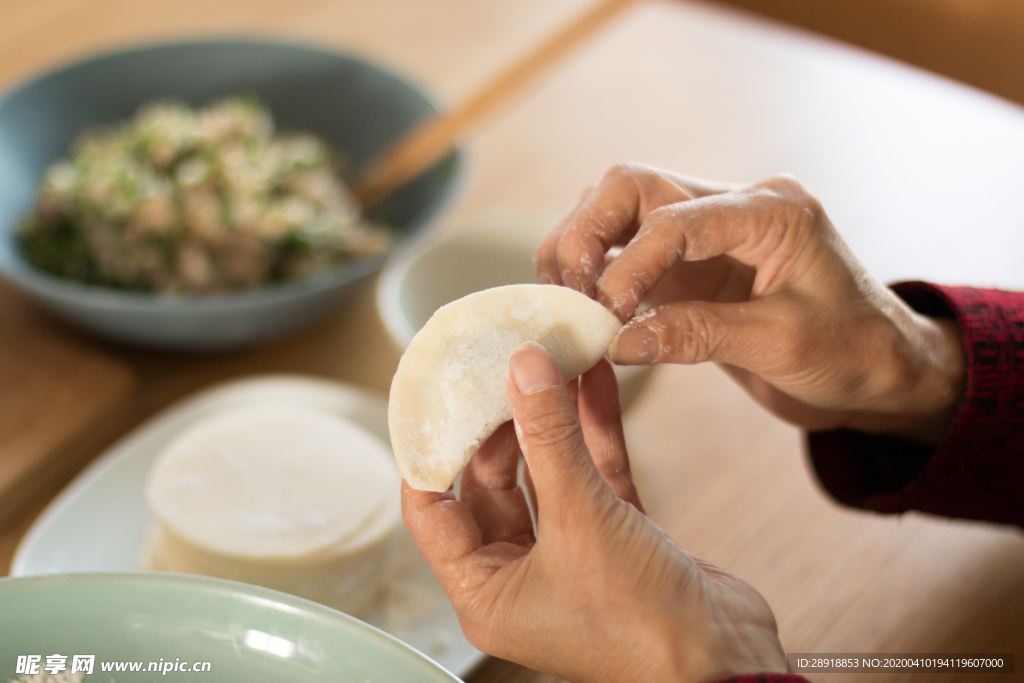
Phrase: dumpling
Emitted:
{"points": [[450, 391]]}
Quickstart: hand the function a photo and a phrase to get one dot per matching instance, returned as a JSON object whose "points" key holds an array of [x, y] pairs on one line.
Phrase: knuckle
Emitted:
{"points": [[796, 198], [612, 464], [623, 169], [550, 428], [575, 244], [661, 240], [694, 335], [786, 187], [790, 215], [786, 184], [644, 178], [660, 216]]}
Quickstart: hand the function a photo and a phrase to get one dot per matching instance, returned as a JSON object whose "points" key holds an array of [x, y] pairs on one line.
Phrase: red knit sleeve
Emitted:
{"points": [[766, 678], [977, 471]]}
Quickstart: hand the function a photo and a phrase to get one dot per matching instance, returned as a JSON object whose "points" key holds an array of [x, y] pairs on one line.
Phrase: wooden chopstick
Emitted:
{"points": [[428, 142]]}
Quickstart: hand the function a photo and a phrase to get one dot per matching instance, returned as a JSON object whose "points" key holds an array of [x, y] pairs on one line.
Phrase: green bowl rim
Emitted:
{"points": [[224, 587]]}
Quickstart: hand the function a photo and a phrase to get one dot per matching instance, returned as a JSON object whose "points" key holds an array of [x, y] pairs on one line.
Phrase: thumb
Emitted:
{"points": [[550, 435], [759, 336]]}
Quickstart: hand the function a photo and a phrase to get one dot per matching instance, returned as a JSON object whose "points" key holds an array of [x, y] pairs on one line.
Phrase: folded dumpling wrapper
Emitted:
{"points": [[451, 389]]}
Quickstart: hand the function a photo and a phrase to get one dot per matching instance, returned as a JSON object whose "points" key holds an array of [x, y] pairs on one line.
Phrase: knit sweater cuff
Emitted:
{"points": [[765, 678], [977, 471]]}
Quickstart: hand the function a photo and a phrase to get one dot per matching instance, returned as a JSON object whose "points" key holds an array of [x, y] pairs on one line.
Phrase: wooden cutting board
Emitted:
{"points": [[60, 404]]}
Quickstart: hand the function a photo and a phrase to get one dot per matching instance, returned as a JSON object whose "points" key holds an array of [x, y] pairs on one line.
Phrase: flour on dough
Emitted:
{"points": [[450, 391]]}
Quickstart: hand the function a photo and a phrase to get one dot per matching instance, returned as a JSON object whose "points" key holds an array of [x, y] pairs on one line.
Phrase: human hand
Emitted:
{"points": [[757, 279], [598, 593]]}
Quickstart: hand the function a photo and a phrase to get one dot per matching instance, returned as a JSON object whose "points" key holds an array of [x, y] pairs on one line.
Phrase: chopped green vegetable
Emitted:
{"points": [[196, 201]]}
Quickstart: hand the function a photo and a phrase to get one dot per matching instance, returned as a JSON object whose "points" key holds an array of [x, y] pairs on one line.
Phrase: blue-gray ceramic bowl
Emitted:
{"points": [[169, 624], [357, 107]]}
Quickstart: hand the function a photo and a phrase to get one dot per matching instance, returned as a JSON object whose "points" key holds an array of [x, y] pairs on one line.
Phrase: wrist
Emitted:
{"points": [[723, 650], [942, 383], [924, 410], [751, 654]]}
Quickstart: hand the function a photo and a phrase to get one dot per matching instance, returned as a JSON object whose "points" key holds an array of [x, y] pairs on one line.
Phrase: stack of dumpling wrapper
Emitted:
{"points": [[297, 500]]}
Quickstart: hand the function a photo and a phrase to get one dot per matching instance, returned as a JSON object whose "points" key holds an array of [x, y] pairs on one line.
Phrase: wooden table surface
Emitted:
{"points": [[925, 178]]}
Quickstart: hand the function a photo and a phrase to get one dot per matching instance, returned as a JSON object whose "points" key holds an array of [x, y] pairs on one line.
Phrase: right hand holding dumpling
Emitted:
{"points": [[598, 593], [756, 278]]}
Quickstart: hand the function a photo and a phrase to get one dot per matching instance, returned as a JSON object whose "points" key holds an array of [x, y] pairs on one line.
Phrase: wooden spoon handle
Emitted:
{"points": [[431, 140]]}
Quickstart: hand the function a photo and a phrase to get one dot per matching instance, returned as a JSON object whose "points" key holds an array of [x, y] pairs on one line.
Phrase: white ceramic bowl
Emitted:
{"points": [[438, 270]]}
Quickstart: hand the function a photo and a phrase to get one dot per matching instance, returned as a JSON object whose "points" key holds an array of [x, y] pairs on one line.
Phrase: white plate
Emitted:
{"points": [[100, 520]]}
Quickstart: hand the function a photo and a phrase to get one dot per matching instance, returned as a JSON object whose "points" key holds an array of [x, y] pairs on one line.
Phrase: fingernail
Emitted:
{"points": [[635, 346], [545, 279], [532, 369], [570, 280]]}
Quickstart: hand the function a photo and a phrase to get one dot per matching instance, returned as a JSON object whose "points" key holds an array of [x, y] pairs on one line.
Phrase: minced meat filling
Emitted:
{"points": [[196, 201]]}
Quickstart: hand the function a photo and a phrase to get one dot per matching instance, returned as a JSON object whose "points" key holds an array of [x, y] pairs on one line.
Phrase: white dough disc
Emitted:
{"points": [[272, 483], [451, 389]]}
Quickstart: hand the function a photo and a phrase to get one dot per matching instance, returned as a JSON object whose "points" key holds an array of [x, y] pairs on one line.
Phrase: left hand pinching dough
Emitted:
{"points": [[758, 279]]}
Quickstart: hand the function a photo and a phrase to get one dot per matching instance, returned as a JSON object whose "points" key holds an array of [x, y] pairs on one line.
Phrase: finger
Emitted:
{"points": [[763, 336], [446, 534], [545, 261], [601, 419], [573, 387], [612, 214], [491, 493], [494, 465], [750, 225], [531, 490], [550, 436]]}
